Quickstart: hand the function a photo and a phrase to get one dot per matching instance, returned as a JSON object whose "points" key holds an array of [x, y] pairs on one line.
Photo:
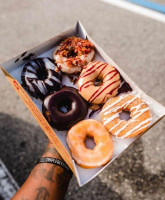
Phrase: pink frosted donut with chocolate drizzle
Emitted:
{"points": [[98, 82], [139, 121]]}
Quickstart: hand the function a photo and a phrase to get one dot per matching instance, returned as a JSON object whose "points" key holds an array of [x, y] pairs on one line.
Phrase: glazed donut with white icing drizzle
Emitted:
{"points": [[39, 77], [91, 75], [139, 121]]}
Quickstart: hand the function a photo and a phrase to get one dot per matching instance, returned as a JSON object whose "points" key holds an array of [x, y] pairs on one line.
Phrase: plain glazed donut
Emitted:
{"points": [[139, 121], [94, 71], [90, 158], [72, 54], [39, 77], [64, 108]]}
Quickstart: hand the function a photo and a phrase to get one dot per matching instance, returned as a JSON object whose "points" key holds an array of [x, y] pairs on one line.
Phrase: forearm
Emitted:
{"points": [[46, 181]]}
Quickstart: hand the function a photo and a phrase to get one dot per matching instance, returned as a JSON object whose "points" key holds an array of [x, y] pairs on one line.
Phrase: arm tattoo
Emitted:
{"points": [[51, 150], [42, 172], [37, 172], [63, 180], [49, 175], [42, 194]]}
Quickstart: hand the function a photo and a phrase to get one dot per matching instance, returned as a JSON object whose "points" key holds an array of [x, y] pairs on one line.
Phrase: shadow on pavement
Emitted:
{"points": [[21, 143]]}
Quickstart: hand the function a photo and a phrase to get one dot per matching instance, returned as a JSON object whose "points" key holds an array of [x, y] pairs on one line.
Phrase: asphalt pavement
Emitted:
{"points": [[136, 43]]}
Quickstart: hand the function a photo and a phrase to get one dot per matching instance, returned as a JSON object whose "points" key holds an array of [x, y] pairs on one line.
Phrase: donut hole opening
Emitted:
{"points": [[89, 142], [124, 115], [42, 74], [71, 53], [98, 81], [65, 106]]}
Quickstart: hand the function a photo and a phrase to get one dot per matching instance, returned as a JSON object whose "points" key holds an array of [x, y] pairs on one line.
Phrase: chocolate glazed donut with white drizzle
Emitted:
{"points": [[39, 77]]}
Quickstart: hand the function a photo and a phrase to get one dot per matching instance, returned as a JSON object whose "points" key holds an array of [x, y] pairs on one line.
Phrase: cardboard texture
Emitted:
{"points": [[12, 70]]}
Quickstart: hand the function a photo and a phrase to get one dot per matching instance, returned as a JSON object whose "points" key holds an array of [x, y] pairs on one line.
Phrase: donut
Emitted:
{"points": [[90, 158], [139, 111], [39, 77], [72, 54], [64, 108], [94, 73]]}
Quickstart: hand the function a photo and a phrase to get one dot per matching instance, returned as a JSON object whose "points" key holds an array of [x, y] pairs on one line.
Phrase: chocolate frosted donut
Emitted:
{"points": [[39, 77], [64, 108]]}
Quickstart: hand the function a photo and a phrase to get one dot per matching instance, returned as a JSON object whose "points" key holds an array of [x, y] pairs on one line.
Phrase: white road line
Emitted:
{"points": [[8, 185], [137, 9]]}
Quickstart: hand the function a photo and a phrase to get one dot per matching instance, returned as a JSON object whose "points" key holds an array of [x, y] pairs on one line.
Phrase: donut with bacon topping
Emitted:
{"points": [[72, 54]]}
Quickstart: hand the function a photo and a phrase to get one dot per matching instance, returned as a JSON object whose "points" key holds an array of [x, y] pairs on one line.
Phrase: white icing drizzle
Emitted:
{"points": [[39, 86], [137, 107], [120, 98], [142, 127], [122, 106], [29, 84], [31, 75], [115, 125], [56, 79], [31, 69], [131, 120], [49, 65], [111, 118], [49, 82], [136, 128], [121, 84]]}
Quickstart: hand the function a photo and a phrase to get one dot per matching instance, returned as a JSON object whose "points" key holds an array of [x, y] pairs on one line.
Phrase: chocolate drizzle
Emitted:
{"points": [[16, 60], [29, 57], [73, 77], [97, 110], [39, 77], [124, 87], [23, 54]]}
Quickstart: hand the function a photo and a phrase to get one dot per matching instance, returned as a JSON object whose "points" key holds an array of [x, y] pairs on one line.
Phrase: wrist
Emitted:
{"points": [[50, 151], [54, 161], [51, 156]]}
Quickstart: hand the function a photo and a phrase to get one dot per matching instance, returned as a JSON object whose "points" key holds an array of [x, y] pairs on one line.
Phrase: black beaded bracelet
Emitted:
{"points": [[54, 161]]}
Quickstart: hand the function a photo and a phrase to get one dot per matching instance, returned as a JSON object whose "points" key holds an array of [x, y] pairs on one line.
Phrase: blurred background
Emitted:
{"points": [[136, 42]]}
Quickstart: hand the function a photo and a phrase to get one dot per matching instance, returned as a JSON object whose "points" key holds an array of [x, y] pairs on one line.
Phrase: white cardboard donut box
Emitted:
{"points": [[12, 70]]}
